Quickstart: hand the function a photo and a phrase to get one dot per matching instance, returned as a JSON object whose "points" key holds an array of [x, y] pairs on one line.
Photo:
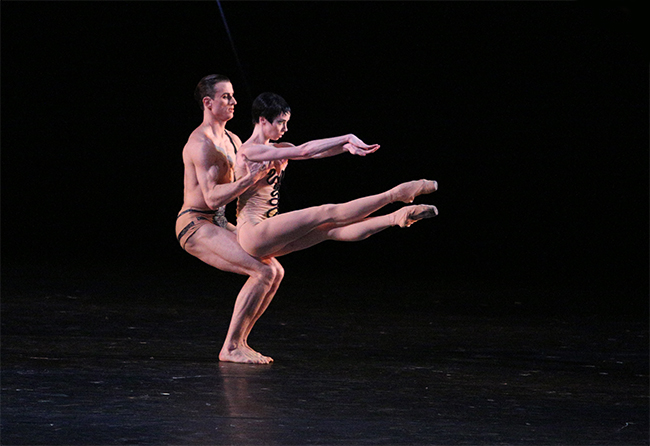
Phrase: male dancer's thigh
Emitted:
{"points": [[218, 247]]}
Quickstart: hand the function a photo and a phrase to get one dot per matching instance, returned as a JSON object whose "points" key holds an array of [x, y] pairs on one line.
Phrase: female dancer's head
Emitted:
{"points": [[269, 106]]}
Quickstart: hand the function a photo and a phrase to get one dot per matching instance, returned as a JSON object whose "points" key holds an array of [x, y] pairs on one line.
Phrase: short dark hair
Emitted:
{"points": [[270, 106], [206, 85]]}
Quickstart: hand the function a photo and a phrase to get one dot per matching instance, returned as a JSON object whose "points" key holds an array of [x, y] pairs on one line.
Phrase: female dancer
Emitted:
{"points": [[262, 236]]}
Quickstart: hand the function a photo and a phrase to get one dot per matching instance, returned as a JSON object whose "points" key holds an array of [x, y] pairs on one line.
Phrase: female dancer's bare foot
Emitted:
{"points": [[407, 192], [245, 355], [408, 215]]}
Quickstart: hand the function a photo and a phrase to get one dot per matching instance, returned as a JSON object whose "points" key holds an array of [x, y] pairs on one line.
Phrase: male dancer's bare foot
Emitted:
{"points": [[408, 215], [406, 192], [259, 356], [245, 355]]}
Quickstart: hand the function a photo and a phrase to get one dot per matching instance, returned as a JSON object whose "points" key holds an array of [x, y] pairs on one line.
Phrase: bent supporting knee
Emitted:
{"points": [[266, 275], [279, 271]]}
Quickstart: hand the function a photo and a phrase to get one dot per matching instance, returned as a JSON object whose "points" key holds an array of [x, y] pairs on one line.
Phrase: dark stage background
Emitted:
{"points": [[532, 116]]}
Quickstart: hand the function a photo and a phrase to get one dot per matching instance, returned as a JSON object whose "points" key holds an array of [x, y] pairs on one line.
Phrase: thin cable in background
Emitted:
{"points": [[234, 50]]}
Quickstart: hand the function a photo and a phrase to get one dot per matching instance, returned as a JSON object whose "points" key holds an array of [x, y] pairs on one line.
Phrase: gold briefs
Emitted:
{"points": [[190, 220]]}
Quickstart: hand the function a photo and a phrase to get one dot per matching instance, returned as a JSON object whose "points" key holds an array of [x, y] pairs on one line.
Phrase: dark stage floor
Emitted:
{"points": [[109, 368]]}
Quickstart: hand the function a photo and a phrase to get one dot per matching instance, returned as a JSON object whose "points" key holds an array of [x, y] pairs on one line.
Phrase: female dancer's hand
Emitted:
{"points": [[357, 147]]}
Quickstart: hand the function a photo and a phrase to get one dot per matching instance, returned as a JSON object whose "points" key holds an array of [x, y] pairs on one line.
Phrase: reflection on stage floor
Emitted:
{"points": [[79, 370]]}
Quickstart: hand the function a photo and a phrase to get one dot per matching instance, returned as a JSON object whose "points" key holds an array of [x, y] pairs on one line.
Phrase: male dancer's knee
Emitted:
{"points": [[265, 274], [279, 271]]}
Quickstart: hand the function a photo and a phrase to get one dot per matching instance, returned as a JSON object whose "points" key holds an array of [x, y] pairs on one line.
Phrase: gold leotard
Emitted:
{"points": [[260, 202]]}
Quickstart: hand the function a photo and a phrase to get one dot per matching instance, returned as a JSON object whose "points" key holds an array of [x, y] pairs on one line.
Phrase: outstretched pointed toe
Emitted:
{"points": [[428, 186], [406, 192], [408, 215]]}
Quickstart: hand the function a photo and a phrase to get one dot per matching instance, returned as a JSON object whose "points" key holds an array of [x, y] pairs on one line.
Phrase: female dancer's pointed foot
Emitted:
{"points": [[408, 215], [406, 192]]}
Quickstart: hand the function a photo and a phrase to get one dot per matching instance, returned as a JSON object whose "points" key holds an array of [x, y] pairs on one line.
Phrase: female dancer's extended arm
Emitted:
{"points": [[319, 148]]}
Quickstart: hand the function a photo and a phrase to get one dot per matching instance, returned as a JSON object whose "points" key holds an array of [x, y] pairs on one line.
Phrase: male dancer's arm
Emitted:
{"points": [[209, 174]]}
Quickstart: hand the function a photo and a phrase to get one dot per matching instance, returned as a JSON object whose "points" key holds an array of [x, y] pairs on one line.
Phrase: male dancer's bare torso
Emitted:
{"points": [[221, 155], [195, 212]]}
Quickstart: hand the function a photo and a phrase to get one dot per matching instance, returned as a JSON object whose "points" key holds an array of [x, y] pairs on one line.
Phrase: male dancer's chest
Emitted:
{"points": [[226, 155]]}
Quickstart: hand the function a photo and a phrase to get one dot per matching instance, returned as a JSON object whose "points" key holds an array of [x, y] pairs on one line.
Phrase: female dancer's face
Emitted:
{"points": [[275, 130]]}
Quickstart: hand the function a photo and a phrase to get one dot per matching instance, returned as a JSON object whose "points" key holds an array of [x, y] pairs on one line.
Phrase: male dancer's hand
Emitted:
{"points": [[256, 170]]}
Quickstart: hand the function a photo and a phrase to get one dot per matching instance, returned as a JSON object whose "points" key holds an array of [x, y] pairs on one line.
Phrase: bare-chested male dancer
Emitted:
{"points": [[265, 233], [201, 226]]}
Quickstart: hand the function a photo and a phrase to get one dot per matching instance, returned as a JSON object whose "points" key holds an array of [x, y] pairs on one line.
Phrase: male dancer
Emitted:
{"points": [[201, 226]]}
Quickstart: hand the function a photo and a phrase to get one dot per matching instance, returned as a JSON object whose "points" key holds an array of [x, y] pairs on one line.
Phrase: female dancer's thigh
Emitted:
{"points": [[317, 235], [271, 235]]}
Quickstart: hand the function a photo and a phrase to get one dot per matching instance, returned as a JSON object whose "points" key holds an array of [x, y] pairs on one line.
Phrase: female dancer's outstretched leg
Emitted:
{"points": [[269, 237], [361, 230]]}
